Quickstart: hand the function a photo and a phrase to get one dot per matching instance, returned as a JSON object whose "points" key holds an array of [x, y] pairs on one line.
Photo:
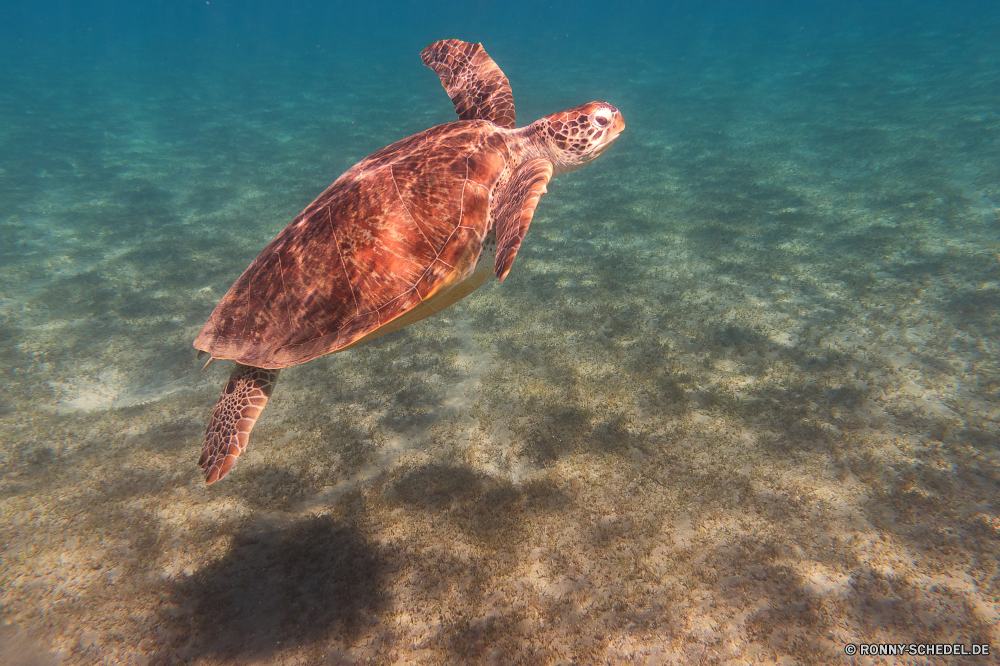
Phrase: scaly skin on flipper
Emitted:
{"points": [[473, 81], [515, 208], [239, 406]]}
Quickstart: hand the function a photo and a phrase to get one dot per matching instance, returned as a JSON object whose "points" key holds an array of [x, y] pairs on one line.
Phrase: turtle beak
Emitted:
{"points": [[617, 127]]}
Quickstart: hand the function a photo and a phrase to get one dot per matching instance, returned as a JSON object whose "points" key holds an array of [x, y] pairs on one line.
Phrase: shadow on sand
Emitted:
{"points": [[277, 587]]}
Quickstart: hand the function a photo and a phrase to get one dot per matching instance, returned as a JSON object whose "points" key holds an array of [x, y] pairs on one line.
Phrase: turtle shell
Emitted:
{"points": [[400, 229]]}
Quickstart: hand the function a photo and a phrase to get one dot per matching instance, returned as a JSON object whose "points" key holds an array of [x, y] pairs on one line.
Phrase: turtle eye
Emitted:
{"points": [[602, 118]]}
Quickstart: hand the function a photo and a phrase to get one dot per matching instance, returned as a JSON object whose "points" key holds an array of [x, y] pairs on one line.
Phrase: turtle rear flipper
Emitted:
{"points": [[241, 403]]}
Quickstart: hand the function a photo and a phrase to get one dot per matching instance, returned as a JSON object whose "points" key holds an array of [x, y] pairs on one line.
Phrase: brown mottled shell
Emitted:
{"points": [[399, 227]]}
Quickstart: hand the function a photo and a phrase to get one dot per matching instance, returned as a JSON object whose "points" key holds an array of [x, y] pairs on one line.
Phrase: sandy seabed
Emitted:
{"points": [[737, 402]]}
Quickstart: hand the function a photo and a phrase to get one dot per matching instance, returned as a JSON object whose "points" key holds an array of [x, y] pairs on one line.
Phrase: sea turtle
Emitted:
{"points": [[400, 236]]}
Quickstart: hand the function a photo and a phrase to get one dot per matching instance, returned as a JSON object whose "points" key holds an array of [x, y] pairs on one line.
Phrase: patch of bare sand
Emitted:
{"points": [[536, 492]]}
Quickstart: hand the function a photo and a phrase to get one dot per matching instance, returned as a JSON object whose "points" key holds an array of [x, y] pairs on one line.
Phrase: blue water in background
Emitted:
{"points": [[835, 163], [74, 71], [67, 64]]}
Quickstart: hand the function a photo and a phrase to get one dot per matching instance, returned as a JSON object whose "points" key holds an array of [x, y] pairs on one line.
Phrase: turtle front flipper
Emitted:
{"points": [[241, 403], [475, 84], [515, 206]]}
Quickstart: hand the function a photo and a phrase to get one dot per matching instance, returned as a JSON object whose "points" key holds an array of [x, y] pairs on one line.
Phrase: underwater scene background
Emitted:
{"points": [[737, 401]]}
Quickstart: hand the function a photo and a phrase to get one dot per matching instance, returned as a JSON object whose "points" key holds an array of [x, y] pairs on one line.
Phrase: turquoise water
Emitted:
{"points": [[737, 400]]}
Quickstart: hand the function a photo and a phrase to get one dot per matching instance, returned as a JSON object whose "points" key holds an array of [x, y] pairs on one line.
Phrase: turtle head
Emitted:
{"points": [[575, 137]]}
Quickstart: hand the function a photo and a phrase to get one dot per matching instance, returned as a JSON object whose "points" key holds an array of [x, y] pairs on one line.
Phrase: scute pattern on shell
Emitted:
{"points": [[400, 225]]}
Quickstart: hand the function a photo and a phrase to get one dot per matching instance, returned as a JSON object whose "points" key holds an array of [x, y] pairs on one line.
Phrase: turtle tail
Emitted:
{"points": [[234, 416]]}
